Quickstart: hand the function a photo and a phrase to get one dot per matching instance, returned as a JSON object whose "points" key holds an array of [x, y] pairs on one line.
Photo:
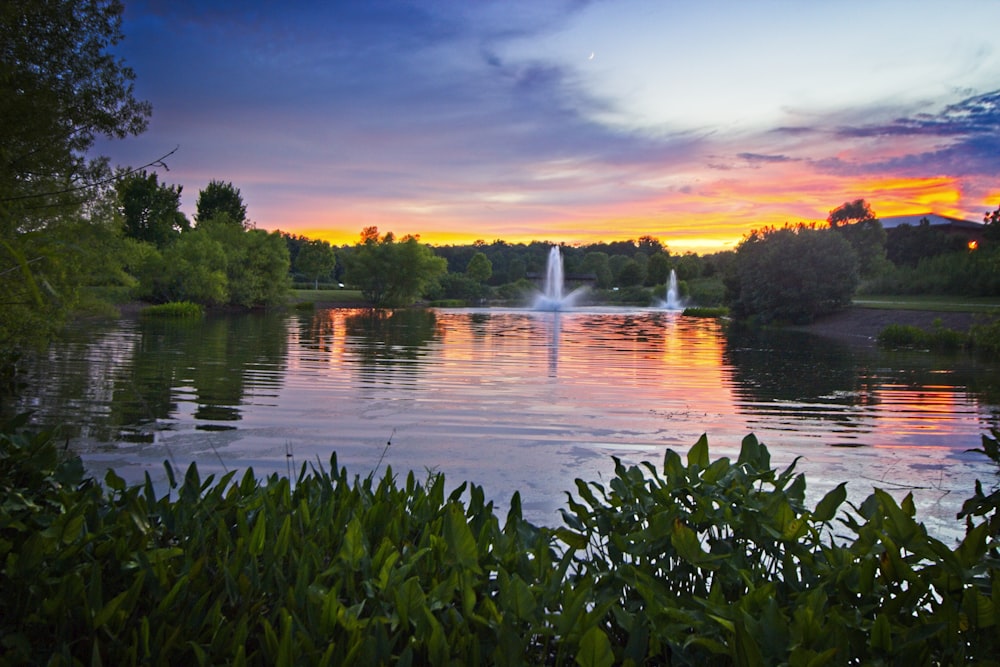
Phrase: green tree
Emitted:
{"points": [[315, 260], [991, 232], [658, 269], [792, 274], [391, 273], [597, 262], [631, 273], [857, 223], [480, 268], [256, 262], [60, 88], [220, 199], [191, 269], [150, 211]]}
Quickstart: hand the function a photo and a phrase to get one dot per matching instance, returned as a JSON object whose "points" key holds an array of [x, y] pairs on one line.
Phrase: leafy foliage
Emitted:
{"points": [[150, 211], [314, 260], [697, 562], [792, 274], [174, 309], [392, 273], [856, 222], [60, 88], [221, 201]]}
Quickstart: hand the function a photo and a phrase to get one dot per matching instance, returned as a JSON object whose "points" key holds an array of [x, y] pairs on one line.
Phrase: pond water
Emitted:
{"points": [[514, 400]]}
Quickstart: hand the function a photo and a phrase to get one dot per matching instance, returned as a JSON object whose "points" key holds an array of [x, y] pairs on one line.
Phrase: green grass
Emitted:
{"points": [[943, 304], [174, 309], [348, 296]]}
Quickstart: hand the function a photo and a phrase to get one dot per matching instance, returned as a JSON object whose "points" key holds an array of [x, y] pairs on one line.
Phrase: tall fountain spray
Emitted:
{"points": [[553, 295], [554, 279], [673, 301]]}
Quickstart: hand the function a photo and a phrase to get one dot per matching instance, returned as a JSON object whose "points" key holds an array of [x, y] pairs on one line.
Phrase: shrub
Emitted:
{"points": [[985, 339], [938, 339], [695, 562], [720, 311], [791, 275], [174, 309]]}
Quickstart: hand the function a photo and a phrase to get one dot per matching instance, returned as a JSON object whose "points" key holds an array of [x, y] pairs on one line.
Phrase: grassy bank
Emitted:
{"points": [[931, 303], [320, 297]]}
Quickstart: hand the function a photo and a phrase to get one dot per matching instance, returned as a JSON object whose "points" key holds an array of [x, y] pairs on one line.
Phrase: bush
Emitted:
{"points": [[174, 309], [791, 275], [720, 311], [985, 339], [938, 339], [695, 562]]}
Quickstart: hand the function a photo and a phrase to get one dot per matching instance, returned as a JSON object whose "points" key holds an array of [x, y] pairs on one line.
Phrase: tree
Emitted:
{"points": [[480, 268], [60, 88], [857, 223], [256, 265], [151, 211], [191, 269], [658, 269], [792, 274], [218, 199], [391, 273], [315, 260], [991, 232], [598, 264], [631, 274]]}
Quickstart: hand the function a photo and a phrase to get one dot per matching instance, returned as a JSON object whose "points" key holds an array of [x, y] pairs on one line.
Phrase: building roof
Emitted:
{"points": [[935, 220]]}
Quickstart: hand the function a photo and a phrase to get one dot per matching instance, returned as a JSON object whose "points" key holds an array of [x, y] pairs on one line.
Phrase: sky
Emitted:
{"points": [[691, 121]]}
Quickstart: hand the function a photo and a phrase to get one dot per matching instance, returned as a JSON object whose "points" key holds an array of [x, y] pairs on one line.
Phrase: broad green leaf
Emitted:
{"points": [[595, 649], [517, 597], [460, 539], [826, 508], [109, 610], [688, 547], [258, 535], [881, 634], [353, 548], [284, 537], [750, 452], [698, 454]]}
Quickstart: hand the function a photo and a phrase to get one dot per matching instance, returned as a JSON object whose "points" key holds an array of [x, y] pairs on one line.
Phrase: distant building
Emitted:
{"points": [[966, 229]]}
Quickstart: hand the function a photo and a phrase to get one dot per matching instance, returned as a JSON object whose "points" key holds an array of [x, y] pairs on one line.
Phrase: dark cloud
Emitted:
{"points": [[976, 115], [755, 158]]}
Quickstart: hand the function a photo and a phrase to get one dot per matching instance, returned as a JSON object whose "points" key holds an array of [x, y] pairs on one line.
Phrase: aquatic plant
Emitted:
{"points": [[178, 309], [695, 561]]}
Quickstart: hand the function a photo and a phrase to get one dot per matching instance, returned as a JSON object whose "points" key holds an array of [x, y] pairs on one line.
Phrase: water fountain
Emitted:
{"points": [[553, 296], [674, 301]]}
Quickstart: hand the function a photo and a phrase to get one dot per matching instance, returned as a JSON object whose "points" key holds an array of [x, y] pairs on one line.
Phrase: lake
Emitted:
{"points": [[514, 400]]}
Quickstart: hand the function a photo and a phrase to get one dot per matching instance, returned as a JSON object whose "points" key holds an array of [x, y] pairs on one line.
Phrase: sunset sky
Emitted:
{"points": [[570, 121]]}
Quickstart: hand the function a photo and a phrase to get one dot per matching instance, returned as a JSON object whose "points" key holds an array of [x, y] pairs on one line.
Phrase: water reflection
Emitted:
{"points": [[118, 383], [513, 400]]}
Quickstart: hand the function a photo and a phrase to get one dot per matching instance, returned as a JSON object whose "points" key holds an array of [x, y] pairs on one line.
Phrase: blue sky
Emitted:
{"points": [[692, 122]]}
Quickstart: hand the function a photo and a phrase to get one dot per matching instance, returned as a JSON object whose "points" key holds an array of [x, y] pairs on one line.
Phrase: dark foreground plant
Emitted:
{"points": [[712, 562]]}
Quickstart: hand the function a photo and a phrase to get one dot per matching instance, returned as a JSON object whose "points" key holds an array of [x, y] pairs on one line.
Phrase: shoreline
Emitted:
{"points": [[863, 325]]}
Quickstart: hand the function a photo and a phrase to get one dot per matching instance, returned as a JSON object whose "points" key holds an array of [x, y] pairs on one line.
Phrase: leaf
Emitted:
{"points": [[517, 598], [688, 547], [113, 481], [595, 650], [460, 540], [257, 535], [881, 634], [826, 508], [698, 454]]}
